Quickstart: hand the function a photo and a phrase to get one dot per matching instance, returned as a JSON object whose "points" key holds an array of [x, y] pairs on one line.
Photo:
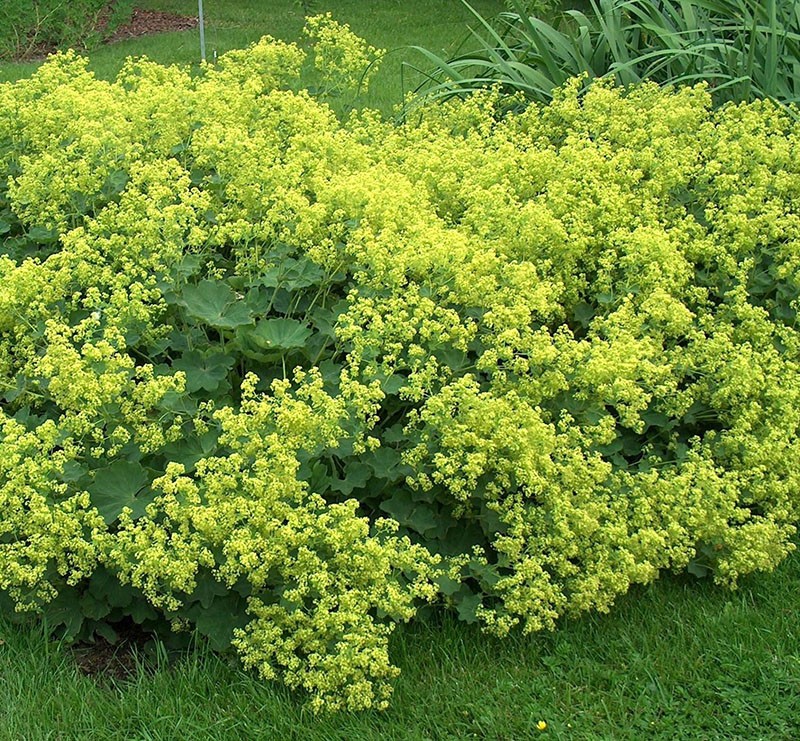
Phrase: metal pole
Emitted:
{"points": [[202, 31]]}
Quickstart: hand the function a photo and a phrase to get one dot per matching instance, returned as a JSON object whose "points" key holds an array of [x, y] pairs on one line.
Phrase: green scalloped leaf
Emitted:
{"points": [[65, 611], [215, 304], [203, 370], [356, 476], [467, 607], [106, 586], [207, 590], [292, 274], [219, 620], [279, 334], [417, 516], [117, 486], [447, 586], [387, 464], [42, 235]]}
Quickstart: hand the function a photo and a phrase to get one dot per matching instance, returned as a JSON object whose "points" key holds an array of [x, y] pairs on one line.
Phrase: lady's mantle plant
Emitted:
{"points": [[284, 379]]}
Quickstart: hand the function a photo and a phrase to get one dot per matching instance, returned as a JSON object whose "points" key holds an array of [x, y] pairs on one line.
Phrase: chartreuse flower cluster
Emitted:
{"points": [[343, 60], [283, 379]]}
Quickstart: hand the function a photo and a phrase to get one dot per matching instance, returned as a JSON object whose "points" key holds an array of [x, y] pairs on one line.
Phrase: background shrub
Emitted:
{"points": [[537, 8], [285, 380], [28, 25]]}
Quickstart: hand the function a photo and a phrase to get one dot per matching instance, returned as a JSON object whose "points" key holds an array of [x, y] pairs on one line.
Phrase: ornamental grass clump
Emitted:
{"points": [[282, 380], [744, 49]]}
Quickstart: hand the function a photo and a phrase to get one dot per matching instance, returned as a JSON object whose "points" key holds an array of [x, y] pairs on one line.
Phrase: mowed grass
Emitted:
{"points": [[393, 25], [678, 659]]}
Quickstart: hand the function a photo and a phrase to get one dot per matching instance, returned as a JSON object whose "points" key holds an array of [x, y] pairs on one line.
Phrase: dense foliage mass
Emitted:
{"points": [[285, 379]]}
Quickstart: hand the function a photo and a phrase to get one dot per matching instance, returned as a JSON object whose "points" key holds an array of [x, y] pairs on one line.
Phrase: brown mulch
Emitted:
{"points": [[146, 22], [141, 23], [119, 661]]}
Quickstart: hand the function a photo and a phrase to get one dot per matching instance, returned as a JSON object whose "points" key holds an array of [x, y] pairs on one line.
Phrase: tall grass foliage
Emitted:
{"points": [[744, 49]]}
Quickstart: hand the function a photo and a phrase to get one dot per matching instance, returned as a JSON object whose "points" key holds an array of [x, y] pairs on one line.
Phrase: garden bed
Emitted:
{"points": [[286, 379]]}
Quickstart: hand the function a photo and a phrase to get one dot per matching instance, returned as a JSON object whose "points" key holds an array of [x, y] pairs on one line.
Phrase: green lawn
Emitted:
{"points": [[677, 660], [680, 659]]}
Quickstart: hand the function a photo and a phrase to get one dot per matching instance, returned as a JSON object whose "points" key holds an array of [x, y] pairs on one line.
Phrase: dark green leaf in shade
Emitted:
{"points": [[258, 300], [386, 463], [191, 449], [417, 516], [283, 302], [456, 360], [42, 235], [331, 372], [117, 486], [612, 448], [292, 274], [178, 403], [447, 586], [204, 370], [394, 434], [467, 607], [72, 471], [104, 585], [656, 419], [218, 621], [457, 536], [141, 610], [115, 183], [584, 313], [324, 321], [490, 521], [485, 572], [316, 474], [95, 607], [187, 266], [698, 569], [393, 384], [207, 589], [356, 477], [65, 612], [318, 346], [106, 631]]}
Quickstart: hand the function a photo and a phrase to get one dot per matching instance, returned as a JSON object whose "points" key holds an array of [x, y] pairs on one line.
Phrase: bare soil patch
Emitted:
{"points": [[120, 661], [142, 23], [146, 22]]}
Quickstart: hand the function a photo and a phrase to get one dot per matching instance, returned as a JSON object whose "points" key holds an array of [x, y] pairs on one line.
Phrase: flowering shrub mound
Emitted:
{"points": [[283, 379]]}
